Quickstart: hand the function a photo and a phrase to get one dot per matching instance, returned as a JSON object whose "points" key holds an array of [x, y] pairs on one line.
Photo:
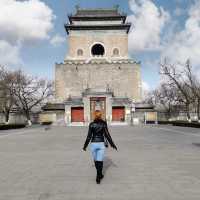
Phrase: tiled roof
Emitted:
{"points": [[121, 101], [97, 12], [144, 106], [54, 106], [126, 27], [90, 91], [74, 101]]}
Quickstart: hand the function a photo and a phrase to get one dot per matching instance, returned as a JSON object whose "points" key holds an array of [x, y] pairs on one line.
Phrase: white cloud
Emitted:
{"points": [[9, 54], [22, 22], [148, 23], [145, 86], [186, 43], [154, 29], [25, 20], [145, 89], [57, 40]]}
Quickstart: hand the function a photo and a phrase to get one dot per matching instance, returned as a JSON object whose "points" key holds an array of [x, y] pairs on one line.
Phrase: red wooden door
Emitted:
{"points": [[118, 114], [77, 114]]}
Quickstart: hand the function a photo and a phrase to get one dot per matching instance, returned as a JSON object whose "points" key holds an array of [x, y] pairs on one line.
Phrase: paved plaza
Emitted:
{"points": [[152, 163]]}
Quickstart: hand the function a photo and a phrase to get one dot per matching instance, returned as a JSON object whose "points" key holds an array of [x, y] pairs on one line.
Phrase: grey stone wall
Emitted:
{"points": [[19, 118], [122, 78]]}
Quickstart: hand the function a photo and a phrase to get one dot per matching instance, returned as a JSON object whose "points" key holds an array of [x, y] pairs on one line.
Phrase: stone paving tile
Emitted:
{"points": [[152, 162]]}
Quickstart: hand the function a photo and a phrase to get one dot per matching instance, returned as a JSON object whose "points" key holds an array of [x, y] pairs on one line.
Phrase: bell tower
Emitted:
{"points": [[97, 72]]}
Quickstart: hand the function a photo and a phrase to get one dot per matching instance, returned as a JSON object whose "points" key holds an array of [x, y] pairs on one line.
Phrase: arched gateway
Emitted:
{"points": [[97, 73]]}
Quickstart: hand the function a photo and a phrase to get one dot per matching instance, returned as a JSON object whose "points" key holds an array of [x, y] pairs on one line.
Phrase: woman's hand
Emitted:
{"points": [[114, 147]]}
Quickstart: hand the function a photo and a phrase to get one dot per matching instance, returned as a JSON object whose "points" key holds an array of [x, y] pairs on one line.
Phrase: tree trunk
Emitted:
{"points": [[6, 113], [198, 110], [188, 112], [169, 112], [28, 117], [7, 116], [29, 122]]}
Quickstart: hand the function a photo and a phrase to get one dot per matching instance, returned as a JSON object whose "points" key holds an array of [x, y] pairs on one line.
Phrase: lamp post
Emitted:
{"points": [[132, 111]]}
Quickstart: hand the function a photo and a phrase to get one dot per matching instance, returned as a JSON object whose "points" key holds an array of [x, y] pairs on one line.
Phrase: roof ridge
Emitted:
{"points": [[92, 11], [114, 8]]}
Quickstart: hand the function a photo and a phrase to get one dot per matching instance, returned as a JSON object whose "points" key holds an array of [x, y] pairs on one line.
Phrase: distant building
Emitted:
{"points": [[97, 73]]}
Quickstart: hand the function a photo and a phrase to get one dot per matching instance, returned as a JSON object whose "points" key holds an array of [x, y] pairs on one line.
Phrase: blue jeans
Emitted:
{"points": [[98, 150]]}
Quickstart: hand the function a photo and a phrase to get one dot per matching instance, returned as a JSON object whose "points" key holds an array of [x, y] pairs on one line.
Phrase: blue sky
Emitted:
{"points": [[161, 29]]}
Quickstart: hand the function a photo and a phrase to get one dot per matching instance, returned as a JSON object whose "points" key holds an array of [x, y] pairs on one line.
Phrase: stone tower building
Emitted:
{"points": [[97, 72]]}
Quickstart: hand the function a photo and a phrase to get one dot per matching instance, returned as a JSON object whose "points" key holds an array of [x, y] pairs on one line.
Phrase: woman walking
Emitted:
{"points": [[98, 134]]}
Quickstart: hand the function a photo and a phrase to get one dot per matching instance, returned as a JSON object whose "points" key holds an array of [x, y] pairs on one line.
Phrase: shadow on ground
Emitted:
{"points": [[107, 164]]}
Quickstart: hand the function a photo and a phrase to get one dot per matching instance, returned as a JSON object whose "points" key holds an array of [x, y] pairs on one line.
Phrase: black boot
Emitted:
{"points": [[95, 164], [98, 174], [99, 167]]}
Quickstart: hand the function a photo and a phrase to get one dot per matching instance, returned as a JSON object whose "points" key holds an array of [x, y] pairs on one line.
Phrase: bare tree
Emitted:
{"points": [[31, 92], [7, 87], [177, 79], [194, 84], [165, 97]]}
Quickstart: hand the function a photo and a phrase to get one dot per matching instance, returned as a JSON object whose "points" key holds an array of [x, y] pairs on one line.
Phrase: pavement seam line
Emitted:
{"points": [[181, 132], [18, 133]]}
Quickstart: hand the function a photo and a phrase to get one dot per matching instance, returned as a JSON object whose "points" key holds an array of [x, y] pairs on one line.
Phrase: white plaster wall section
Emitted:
{"points": [[99, 32], [85, 42], [119, 22]]}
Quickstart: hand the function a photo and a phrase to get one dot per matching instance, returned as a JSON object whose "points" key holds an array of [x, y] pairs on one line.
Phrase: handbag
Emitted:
{"points": [[105, 142]]}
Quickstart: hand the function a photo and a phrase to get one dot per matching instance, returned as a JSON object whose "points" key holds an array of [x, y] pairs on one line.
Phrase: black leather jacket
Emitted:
{"points": [[97, 131]]}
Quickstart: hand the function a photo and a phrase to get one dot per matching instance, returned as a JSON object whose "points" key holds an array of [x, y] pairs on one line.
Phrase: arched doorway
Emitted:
{"points": [[98, 50]]}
